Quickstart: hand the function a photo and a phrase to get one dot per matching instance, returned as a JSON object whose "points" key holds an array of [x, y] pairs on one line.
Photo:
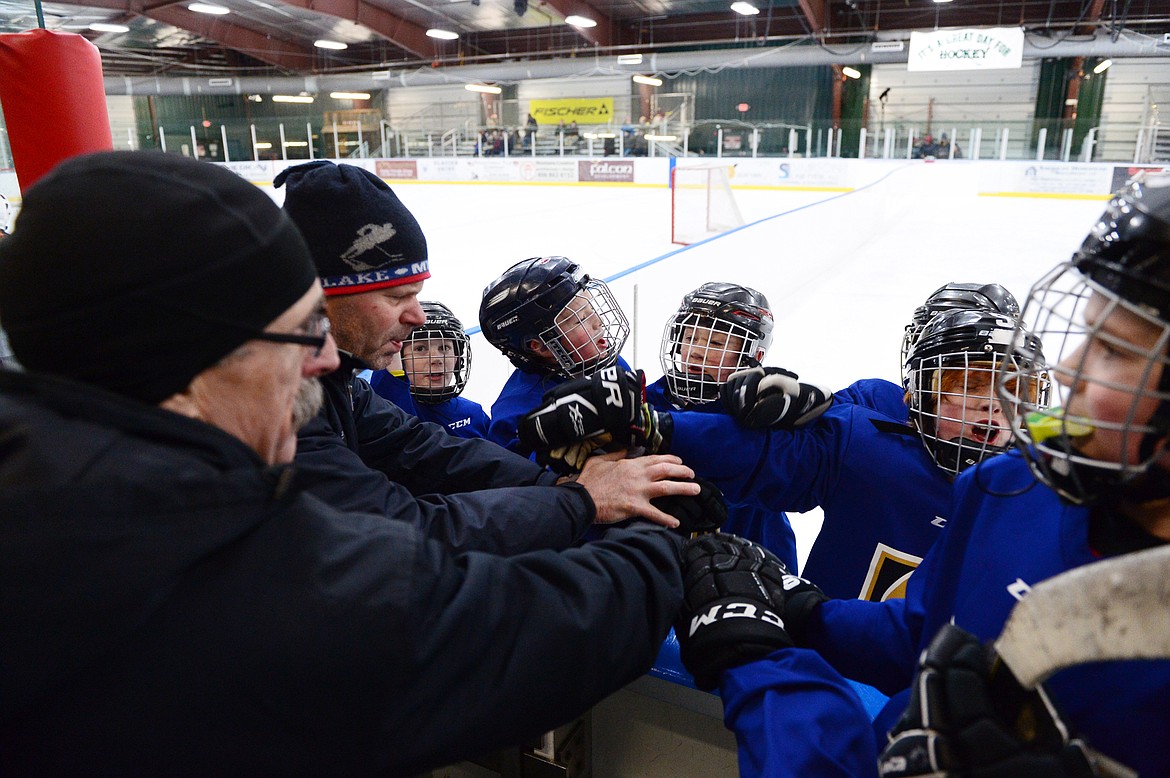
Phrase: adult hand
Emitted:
{"points": [[624, 488]]}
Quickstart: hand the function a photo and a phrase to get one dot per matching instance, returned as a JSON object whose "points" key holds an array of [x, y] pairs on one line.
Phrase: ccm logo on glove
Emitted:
{"points": [[735, 610]]}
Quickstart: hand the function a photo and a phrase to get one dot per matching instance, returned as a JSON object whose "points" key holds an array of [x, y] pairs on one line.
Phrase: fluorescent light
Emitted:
{"points": [[443, 35], [942, 1], [292, 98], [350, 95], [326, 44], [580, 21], [487, 89], [747, 9], [296, 143], [661, 137], [649, 80], [263, 145], [629, 59], [851, 72], [104, 27], [208, 8], [1102, 66]]}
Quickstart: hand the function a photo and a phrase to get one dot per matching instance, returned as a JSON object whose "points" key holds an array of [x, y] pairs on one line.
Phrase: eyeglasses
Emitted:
{"points": [[316, 333]]}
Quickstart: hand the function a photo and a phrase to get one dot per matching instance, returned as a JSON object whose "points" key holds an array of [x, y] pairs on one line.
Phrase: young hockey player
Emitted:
{"points": [[553, 322], [1101, 460], [718, 329], [436, 363]]}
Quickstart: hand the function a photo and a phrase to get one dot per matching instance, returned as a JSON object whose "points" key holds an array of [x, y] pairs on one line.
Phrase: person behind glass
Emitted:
{"points": [[172, 601], [433, 370], [554, 323], [371, 256], [720, 328]]}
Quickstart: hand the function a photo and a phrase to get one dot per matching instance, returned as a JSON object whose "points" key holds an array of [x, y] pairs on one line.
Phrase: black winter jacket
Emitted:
{"points": [[364, 453], [169, 605]]}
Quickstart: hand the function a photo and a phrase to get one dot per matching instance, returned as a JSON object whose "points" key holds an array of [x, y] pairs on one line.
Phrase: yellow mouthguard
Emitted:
{"points": [[1043, 425]]}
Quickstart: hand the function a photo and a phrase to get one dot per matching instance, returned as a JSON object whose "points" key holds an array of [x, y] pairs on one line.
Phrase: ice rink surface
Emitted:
{"points": [[843, 271]]}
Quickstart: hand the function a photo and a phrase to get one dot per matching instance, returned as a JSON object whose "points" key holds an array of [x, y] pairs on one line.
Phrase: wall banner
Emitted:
{"points": [[593, 110], [979, 49]]}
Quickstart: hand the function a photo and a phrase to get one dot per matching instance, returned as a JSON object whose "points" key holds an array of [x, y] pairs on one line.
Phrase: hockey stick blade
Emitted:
{"points": [[1115, 609]]}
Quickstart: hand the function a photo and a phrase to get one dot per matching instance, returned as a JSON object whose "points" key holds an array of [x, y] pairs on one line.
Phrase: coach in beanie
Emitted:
{"points": [[136, 271], [361, 235]]}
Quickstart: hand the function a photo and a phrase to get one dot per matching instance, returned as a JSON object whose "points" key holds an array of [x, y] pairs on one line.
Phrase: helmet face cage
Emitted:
{"points": [[699, 353], [1050, 438], [952, 389], [588, 333], [436, 357]]}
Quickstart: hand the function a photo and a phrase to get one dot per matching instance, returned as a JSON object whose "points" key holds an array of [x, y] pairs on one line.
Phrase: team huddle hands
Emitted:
{"points": [[773, 397]]}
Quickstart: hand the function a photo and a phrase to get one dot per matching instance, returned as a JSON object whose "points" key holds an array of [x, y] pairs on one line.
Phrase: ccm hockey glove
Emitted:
{"points": [[580, 416], [773, 397], [964, 720], [732, 605], [701, 513]]}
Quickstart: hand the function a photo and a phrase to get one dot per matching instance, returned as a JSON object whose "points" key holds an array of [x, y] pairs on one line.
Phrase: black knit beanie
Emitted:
{"points": [[135, 271], [361, 235]]}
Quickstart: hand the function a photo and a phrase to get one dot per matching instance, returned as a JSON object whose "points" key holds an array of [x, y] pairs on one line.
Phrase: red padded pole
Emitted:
{"points": [[53, 98]]}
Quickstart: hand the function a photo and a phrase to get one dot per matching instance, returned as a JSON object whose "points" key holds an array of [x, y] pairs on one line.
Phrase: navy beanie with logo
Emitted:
{"points": [[360, 234]]}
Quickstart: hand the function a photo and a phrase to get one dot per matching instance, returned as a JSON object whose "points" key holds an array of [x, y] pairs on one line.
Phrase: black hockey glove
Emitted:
{"points": [[773, 397], [801, 598], [966, 720], [732, 601], [701, 513], [581, 416]]}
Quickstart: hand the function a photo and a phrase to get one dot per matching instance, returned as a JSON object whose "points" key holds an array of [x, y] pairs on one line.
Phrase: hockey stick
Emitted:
{"points": [[1110, 610]]}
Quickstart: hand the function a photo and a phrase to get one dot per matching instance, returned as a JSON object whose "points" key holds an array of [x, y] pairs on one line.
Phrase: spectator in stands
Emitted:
{"points": [[171, 601]]}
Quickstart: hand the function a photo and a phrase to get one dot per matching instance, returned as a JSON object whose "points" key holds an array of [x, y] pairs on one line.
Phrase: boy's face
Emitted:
{"points": [[707, 352], [429, 362], [1111, 381], [968, 407], [582, 332]]}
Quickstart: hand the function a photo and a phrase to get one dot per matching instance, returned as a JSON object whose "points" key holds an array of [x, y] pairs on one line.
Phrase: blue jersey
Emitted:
{"points": [[1006, 534], [769, 528], [885, 397], [459, 416], [521, 394], [882, 495]]}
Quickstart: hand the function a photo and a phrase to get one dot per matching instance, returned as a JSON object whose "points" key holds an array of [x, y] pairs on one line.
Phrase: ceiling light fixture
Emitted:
{"points": [[580, 21], [648, 80], [105, 27], [292, 98], [487, 89], [629, 59], [208, 8], [327, 44], [851, 72], [940, 2], [443, 35], [350, 95], [1102, 66], [746, 9]]}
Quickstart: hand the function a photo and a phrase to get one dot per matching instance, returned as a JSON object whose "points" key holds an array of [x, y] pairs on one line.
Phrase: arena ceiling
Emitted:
{"points": [[165, 37]]}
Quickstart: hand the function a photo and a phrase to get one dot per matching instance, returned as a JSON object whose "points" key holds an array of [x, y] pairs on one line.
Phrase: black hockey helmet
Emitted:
{"points": [[534, 301], [441, 325], [958, 357], [708, 315], [1123, 265], [956, 296]]}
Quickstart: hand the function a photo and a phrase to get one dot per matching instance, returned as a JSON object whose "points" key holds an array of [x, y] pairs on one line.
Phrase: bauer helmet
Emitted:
{"points": [[549, 303], [1110, 303], [437, 356], [954, 296], [952, 373], [719, 328]]}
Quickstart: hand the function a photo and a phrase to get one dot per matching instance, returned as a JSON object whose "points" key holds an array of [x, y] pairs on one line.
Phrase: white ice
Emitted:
{"points": [[843, 272]]}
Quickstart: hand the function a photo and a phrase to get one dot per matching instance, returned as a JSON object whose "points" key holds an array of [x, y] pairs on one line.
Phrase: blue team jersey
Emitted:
{"points": [[883, 497], [522, 393], [769, 528], [459, 416], [1006, 534], [883, 396]]}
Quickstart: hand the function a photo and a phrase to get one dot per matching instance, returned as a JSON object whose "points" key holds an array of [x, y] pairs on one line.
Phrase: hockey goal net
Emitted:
{"points": [[701, 203]]}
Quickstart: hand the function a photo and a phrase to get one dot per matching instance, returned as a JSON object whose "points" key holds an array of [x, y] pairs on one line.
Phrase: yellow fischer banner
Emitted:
{"points": [[583, 110]]}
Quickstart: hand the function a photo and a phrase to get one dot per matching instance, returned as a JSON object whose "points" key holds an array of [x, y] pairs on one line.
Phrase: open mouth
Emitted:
{"points": [[986, 431]]}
